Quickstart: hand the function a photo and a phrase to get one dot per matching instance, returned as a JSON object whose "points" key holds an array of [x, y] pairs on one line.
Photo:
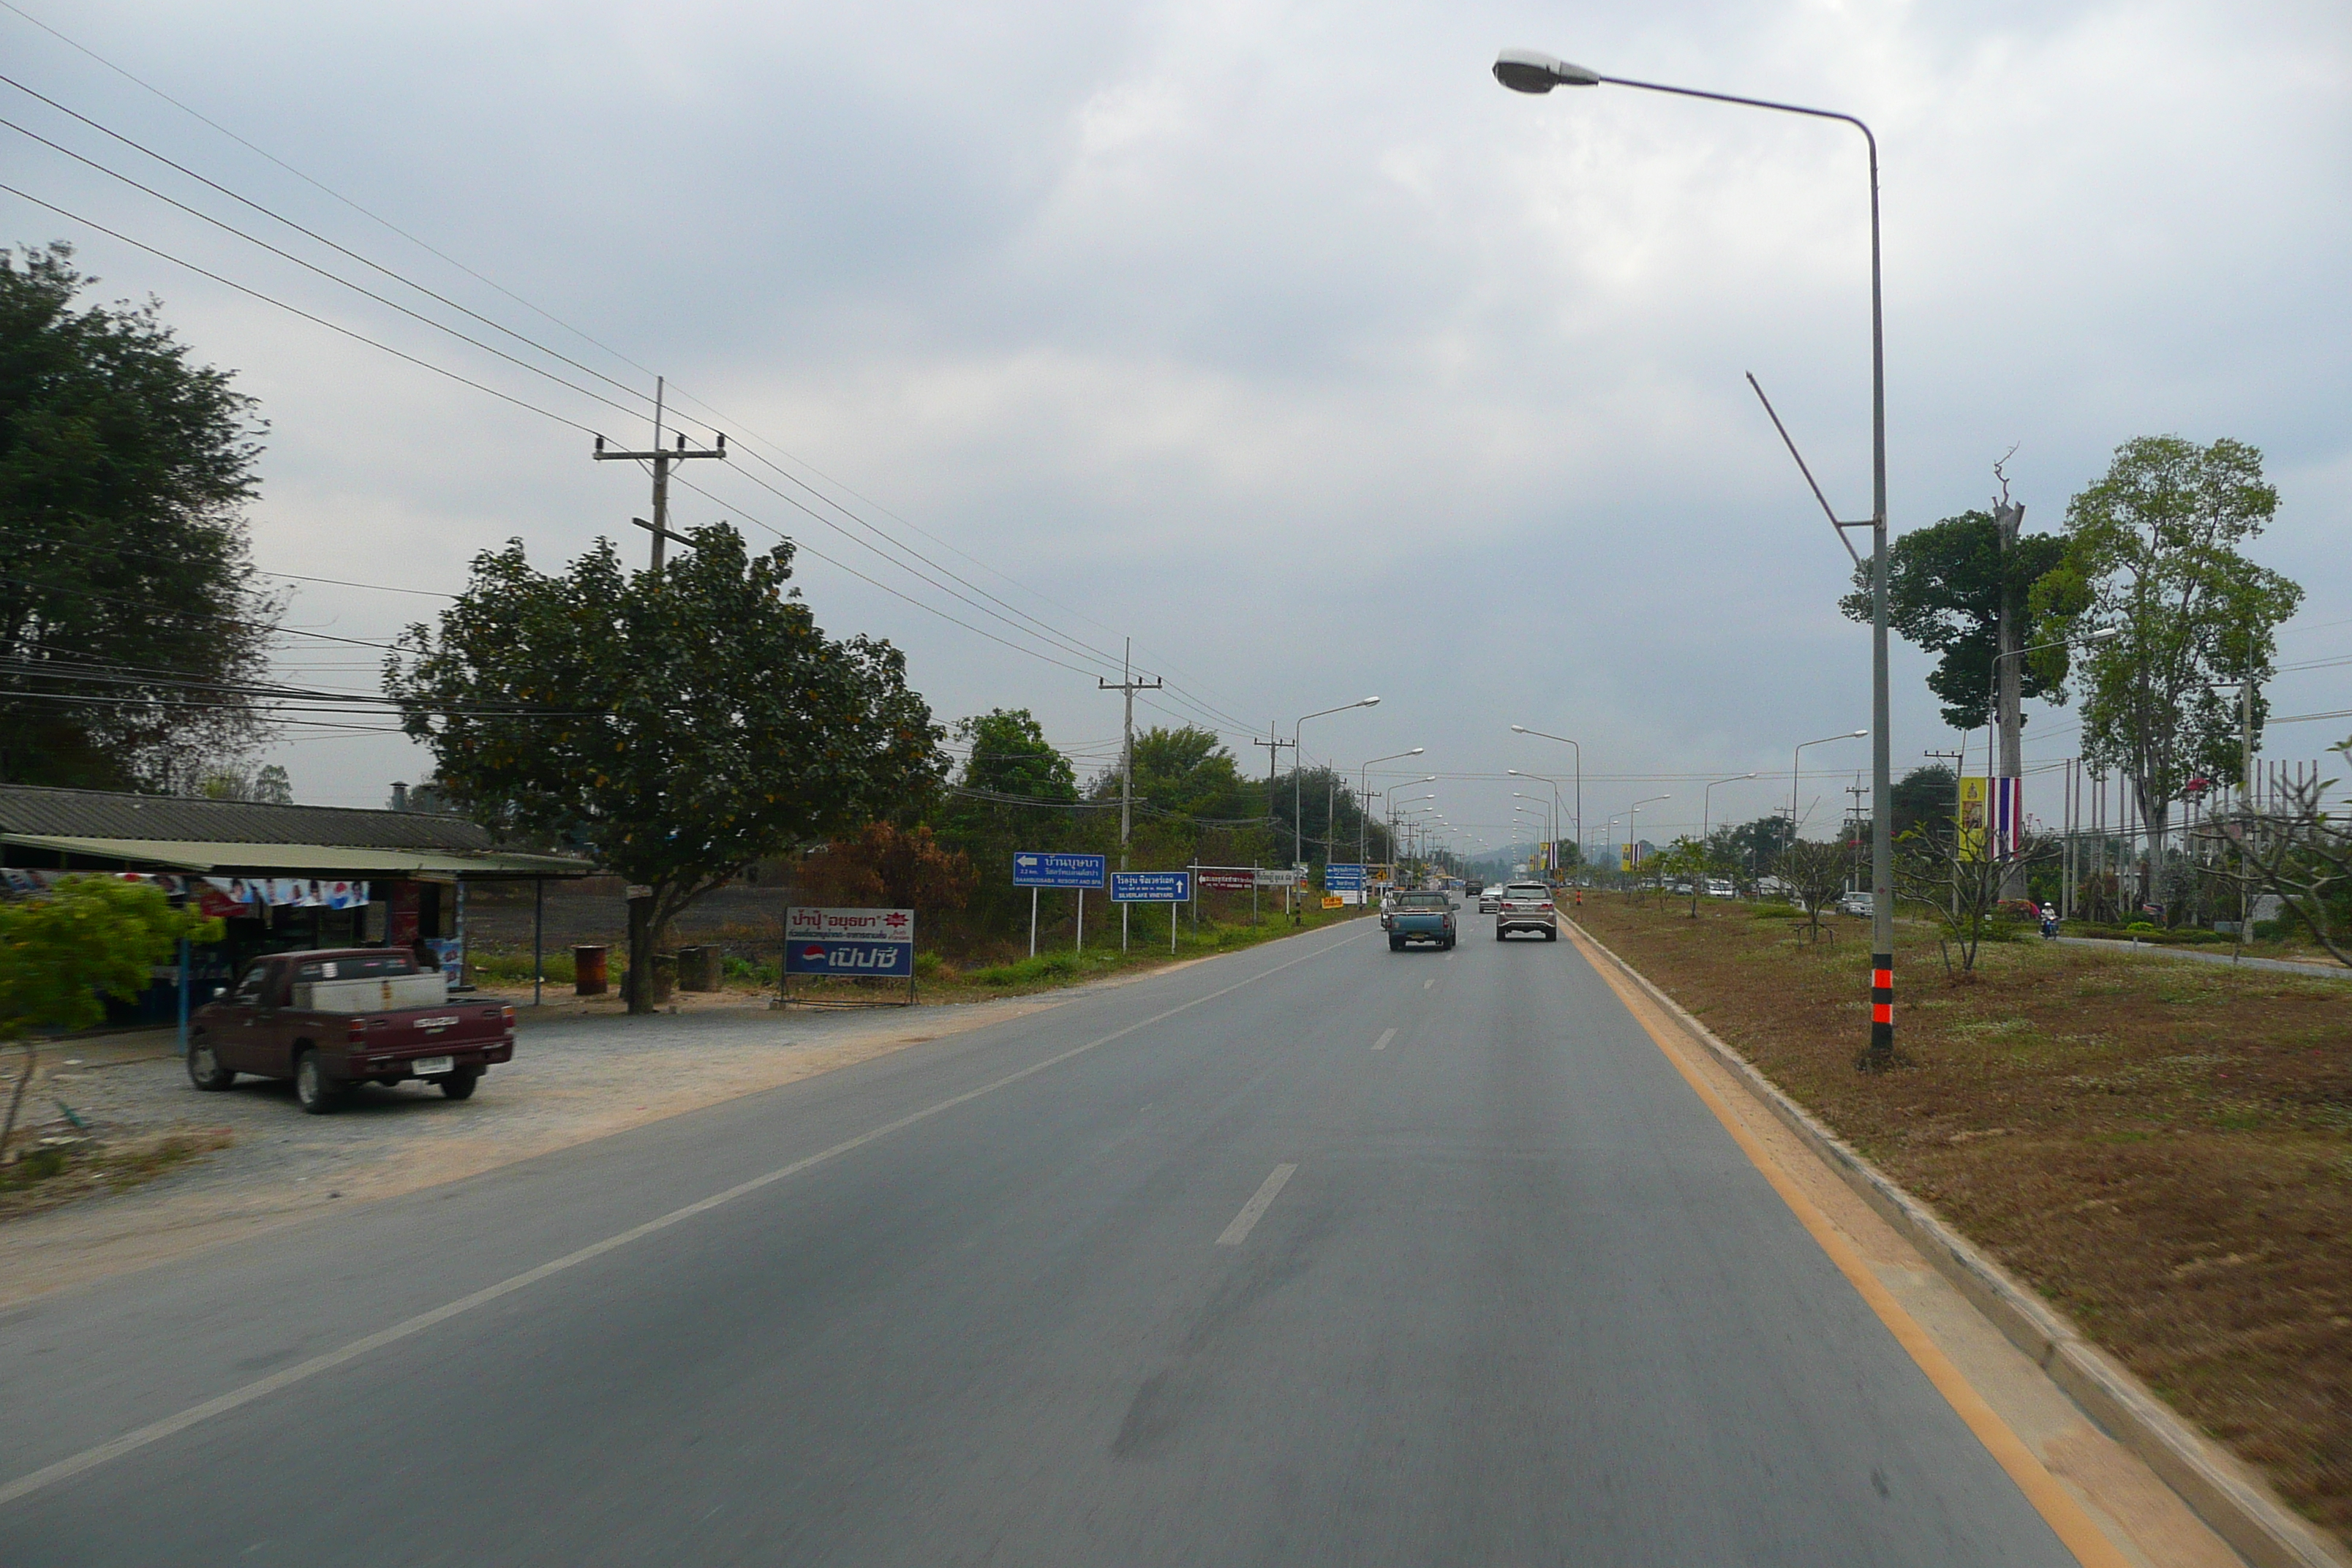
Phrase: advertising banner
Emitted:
{"points": [[873, 943], [1044, 868], [1150, 886]]}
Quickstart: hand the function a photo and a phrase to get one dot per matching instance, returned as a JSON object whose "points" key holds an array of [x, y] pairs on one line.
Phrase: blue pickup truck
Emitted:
{"points": [[1421, 917]]}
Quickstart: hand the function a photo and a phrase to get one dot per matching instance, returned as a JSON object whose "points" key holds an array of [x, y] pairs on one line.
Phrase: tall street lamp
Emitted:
{"points": [[1632, 817], [1706, 810], [1523, 70], [1363, 789], [1579, 813], [1298, 761], [1558, 810], [1825, 740]]}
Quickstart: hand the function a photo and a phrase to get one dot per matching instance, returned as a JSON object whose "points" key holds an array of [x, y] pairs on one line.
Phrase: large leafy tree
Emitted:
{"points": [[128, 611], [2153, 569], [677, 725], [1946, 584]]}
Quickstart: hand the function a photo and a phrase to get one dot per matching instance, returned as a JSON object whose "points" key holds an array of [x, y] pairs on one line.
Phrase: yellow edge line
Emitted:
{"points": [[2057, 1507]]}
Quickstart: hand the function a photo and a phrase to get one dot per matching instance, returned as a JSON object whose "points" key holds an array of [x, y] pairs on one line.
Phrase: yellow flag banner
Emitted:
{"points": [[1971, 821]]}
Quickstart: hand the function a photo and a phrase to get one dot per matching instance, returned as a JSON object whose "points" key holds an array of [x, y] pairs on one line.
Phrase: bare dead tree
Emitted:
{"points": [[1941, 870], [2293, 847], [1816, 874]]}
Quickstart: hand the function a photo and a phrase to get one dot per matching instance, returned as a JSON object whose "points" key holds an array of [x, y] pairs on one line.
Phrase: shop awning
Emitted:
{"points": [[302, 860]]}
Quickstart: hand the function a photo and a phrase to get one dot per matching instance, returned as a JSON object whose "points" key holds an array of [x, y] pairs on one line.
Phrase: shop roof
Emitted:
{"points": [[231, 835], [302, 860]]}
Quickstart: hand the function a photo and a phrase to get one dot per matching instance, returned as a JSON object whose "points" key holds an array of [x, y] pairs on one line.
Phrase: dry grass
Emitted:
{"points": [[44, 1176], [2163, 1148]]}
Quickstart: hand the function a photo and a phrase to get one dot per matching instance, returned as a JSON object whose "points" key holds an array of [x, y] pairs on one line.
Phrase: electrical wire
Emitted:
{"points": [[307, 265], [1045, 631], [296, 311]]}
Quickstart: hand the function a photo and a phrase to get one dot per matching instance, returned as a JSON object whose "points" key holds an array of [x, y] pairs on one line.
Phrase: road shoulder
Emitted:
{"points": [[2141, 1517]]}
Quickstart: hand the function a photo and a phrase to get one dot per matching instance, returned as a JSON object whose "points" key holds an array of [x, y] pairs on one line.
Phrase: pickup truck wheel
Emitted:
{"points": [[204, 1067], [1396, 944], [313, 1090], [459, 1085]]}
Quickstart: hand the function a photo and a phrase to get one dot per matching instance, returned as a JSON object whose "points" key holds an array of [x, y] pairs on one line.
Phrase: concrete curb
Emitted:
{"points": [[2229, 1497]]}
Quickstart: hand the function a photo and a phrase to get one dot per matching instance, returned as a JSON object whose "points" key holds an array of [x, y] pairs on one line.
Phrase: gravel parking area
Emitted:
{"points": [[578, 1074]]}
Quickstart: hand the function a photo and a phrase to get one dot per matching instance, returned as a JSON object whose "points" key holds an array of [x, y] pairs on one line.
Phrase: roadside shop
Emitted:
{"points": [[278, 876]]}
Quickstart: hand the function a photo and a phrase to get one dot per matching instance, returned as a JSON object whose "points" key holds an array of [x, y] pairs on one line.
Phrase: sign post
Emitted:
{"points": [[1035, 868], [851, 944], [1169, 887]]}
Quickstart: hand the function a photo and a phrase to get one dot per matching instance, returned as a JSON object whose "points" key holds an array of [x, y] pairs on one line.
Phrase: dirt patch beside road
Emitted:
{"points": [[576, 1076], [2164, 1150]]}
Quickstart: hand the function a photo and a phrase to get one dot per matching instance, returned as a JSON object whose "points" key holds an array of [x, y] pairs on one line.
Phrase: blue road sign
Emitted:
{"points": [[1150, 886], [1039, 868], [1343, 879], [822, 955]]}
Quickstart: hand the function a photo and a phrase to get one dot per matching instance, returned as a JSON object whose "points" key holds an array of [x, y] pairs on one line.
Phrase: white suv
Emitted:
{"points": [[1527, 906]]}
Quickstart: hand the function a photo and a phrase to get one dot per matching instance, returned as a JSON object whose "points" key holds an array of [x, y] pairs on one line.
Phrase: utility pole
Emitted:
{"points": [[1127, 686], [1272, 750], [638, 985], [661, 457]]}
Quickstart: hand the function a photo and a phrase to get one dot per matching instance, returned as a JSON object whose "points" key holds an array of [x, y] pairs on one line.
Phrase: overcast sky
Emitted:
{"points": [[1274, 336]]}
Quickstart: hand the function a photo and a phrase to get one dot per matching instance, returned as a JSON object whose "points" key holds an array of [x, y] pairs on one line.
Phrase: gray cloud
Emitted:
{"points": [[1279, 336]]}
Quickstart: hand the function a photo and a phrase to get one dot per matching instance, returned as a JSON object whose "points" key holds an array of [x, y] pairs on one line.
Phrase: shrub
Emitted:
{"points": [[1029, 971]]}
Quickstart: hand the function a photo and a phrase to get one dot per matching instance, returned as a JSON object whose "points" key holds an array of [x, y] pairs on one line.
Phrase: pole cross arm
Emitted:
{"points": [[603, 454], [666, 534]]}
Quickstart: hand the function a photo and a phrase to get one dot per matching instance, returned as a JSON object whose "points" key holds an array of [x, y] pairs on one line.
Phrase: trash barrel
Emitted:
{"points": [[665, 975], [588, 972], [698, 969]]}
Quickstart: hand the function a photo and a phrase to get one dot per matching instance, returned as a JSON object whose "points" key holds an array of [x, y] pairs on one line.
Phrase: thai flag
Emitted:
{"points": [[2008, 817]]}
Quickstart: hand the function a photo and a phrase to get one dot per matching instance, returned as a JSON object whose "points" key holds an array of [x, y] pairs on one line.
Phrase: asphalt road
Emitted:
{"points": [[1315, 1254]]}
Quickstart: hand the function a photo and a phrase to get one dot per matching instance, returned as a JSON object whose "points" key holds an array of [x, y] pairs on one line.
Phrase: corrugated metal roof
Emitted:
{"points": [[100, 814], [305, 859]]}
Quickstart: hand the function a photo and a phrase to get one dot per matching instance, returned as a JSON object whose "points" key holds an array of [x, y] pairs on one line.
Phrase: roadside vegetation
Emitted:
{"points": [[2162, 1147], [747, 968], [68, 1167]]}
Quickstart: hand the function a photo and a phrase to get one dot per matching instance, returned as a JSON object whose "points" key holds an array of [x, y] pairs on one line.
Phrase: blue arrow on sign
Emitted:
{"points": [[1053, 868], [1150, 886]]}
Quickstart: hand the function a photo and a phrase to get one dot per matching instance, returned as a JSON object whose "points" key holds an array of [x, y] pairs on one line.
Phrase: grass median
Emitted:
{"points": [[2163, 1148]]}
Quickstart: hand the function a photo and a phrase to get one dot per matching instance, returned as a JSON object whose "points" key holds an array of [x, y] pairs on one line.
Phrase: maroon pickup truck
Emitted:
{"points": [[336, 1017]]}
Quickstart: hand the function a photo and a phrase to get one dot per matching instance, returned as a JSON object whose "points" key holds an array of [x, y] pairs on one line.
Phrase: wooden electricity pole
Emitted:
{"points": [[640, 933], [1128, 685], [661, 457]]}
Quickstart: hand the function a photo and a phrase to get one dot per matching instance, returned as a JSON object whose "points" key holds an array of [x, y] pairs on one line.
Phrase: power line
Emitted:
{"points": [[311, 265], [292, 576], [327, 190], [295, 310], [1054, 637]]}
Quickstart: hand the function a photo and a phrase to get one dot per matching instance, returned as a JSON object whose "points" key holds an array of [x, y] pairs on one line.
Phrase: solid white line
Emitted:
{"points": [[407, 1328], [1382, 1043], [1238, 1232]]}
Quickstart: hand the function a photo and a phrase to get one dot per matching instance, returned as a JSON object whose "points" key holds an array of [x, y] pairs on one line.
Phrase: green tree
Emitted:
{"points": [[2153, 561], [1927, 793], [1944, 586], [1010, 755], [676, 725], [129, 617], [63, 950]]}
